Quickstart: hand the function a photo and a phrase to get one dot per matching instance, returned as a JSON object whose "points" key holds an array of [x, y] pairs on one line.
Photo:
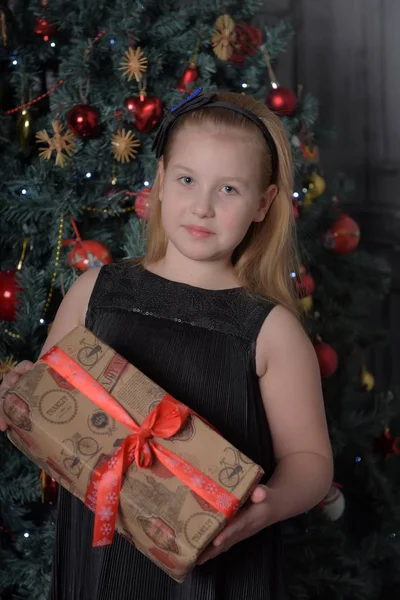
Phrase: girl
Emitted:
{"points": [[209, 315]]}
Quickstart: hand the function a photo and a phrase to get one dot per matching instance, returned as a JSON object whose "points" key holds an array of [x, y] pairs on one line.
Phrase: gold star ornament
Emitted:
{"points": [[124, 145], [63, 144], [134, 64], [224, 37]]}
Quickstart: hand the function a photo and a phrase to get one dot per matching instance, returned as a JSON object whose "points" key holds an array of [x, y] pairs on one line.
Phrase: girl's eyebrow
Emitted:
{"points": [[227, 177]]}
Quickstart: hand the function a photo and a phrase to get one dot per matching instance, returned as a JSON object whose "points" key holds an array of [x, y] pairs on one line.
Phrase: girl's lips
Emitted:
{"points": [[198, 232]]}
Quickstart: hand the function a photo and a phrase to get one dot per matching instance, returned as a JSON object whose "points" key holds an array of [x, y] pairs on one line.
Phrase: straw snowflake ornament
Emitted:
{"points": [[6, 366], [63, 144], [124, 145], [224, 37], [134, 64]]}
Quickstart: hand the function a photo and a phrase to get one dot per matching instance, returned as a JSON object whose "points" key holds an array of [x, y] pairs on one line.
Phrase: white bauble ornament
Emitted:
{"points": [[334, 503]]}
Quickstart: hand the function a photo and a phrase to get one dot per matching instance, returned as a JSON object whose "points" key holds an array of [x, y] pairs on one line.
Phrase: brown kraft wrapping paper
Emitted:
{"points": [[68, 436]]}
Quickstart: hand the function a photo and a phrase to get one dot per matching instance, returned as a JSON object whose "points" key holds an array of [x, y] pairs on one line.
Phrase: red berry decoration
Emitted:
{"points": [[188, 77], [248, 40], [45, 28], [142, 204], [83, 120], [344, 235], [9, 287], [146, 110], [86, 254], [327, 358], [304, 283], [282, 101]]}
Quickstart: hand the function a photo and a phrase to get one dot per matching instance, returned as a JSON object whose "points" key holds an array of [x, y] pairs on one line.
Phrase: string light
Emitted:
{"points": [[88, 175], [274, 84], [146, 183], [295, 194], [56, 263], [53, 44], [108, 211], [26, 534], [23, 192], [15, 62], [245, 85], [357, 459], [112, 42]]}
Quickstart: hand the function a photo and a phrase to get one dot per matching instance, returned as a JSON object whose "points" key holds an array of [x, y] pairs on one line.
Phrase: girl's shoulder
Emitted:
{"points": [[279, 334]]}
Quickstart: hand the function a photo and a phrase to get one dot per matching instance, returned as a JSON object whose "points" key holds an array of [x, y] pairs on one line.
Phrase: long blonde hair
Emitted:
{"points": [[265, 260]]}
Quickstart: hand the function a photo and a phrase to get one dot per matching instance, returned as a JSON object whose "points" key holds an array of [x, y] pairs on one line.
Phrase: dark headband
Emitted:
{"points": [[198, 100]]}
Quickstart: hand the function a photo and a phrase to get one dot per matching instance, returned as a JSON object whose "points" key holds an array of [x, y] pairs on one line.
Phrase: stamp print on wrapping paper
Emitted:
{"points": [[196, 528], [58, 407], [100, 423]]}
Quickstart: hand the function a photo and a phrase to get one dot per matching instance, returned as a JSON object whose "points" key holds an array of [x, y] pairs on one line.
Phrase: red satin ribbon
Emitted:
{"points": [[164, 421]]}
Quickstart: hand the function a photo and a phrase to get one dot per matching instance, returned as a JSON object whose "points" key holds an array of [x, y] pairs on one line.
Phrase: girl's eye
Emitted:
{"points": [[186, 180], [228, 189]]}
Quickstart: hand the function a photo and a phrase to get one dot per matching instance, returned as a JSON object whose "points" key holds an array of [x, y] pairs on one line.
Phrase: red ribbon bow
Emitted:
{"points": [[164, 421]]}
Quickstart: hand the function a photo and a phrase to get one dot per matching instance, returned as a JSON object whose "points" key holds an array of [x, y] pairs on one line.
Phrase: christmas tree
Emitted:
{"points": [[83, 87]]}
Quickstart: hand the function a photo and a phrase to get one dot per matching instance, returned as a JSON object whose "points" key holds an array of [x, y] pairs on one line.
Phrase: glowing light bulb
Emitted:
{"points": [[23, 192], [244, 85], [88, 175]]}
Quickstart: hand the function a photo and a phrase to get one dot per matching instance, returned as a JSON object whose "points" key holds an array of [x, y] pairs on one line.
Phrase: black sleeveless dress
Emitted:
{"points": [[199, 345]]}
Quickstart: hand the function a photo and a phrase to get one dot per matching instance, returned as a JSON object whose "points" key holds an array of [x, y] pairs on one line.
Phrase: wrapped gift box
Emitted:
{"points": [[138, 458]]}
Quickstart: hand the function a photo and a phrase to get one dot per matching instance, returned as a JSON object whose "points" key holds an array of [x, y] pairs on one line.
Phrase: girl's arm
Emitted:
{"points": [[290, 385]]}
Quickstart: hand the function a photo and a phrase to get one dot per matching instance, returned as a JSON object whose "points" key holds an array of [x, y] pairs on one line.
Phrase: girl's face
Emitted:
{"points": [[210, 191]]}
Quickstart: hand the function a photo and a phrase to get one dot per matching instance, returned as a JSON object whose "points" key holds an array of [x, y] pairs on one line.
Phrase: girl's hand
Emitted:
{"points": [[9, 380], [248, 521]]}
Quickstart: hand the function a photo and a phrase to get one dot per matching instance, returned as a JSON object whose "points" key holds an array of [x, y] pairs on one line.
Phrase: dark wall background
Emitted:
{"points": [[347, 53]]}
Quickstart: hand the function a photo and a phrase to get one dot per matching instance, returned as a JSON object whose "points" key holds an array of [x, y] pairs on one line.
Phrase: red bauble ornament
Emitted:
{"points": [[344, 235], [86, 254], [142, 204], [387, 445], [49, 489], [146, 110], [45, 28], [248, 39], [188, 77], [327, 358], [9, 287], [83, 120], [282, 101], [304, 283]]}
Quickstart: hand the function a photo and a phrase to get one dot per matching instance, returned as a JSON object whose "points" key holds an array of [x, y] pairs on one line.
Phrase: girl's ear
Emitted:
{"points": [[265, 202], [161, 174]]}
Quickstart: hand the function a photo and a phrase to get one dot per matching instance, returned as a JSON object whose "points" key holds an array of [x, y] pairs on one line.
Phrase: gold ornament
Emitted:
{"points": [[367, 380], [125, 145], [316, 187], [224, 37], [134, 64], [305, 304], [6, 366], [24, 128], [60, 143]]}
